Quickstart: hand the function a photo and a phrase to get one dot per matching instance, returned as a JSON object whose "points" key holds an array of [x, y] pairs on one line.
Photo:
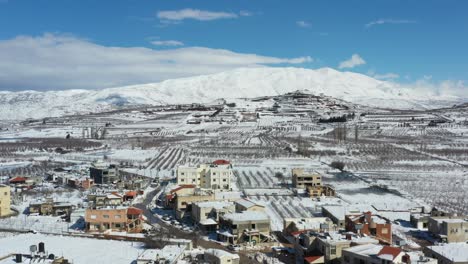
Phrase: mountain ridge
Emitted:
{"points": [[238, 83]]}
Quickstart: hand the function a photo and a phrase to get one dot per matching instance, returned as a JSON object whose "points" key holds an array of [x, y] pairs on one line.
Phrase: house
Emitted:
{"points": [[248, 205], [302, 179], [129, 219], [372, 254], [49, 207], [452, 253], [169, 254], [297, 225], [5, 200], [371, 225], [206, 214], [244, 227], [449, 228], [324, 247], [321, 190], [103, 173], [420, 221], [218, 256], [105, 199], [216, 175]]}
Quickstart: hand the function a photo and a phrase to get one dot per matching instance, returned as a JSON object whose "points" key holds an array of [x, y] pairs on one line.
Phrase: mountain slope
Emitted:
{"points": [[244, 82]]}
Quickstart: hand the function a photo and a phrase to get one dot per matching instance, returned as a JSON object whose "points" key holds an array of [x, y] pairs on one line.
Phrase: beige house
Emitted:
{"points": [[449, 228], [207, 176], [218, 256], [247, 205], [5, 200], [116, 219], [302, 179], [244, 227]]}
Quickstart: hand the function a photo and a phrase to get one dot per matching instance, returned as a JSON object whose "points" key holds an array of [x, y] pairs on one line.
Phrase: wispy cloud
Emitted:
{"points": [[52, 61], [196, 14], [171, 43], [302, 23], [352, 62], [384, 76], [389, 21]]}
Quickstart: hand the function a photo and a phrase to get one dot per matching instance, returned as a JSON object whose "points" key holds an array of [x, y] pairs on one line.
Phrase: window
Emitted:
{"points": [[182, 173], [105, 216], [118, 226], [182, 180], [224, 180], [93, 217], [117, 216], [253, 226], [384, 230], [333, 250]]}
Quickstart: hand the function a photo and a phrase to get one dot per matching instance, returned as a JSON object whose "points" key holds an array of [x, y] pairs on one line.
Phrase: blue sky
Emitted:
{"points": [[402, 41]]}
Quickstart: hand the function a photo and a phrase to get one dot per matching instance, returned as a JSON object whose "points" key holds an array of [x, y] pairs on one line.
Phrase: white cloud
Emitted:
{"points": [[171, 43], [303, 24], [389, 21], [354, 61], [196, 14], [51, 62], [245, 13]]}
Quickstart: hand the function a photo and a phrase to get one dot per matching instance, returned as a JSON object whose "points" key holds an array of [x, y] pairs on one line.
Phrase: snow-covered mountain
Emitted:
{"points": [[239, 83]]}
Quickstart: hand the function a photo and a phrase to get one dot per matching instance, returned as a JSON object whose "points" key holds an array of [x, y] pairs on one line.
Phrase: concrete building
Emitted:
{"points": [[116, 219], [244, 227], [325, 247], [103, 173], [5, 200], [379, 254], [302, 179], [49, 207], [206, 214], [216, 175], [218, 256], [449, 228], [321, 190], [371, 225], [453, 253]]}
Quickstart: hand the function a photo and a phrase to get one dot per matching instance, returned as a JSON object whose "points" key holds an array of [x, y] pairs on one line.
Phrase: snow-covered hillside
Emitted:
{"points": [[244, 82]]}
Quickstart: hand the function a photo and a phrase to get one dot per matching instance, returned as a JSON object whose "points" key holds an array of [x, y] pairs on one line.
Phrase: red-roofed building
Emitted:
{"points": [[221, 162], [314, 260], [388, 252], [18, 180], [130, 195]]}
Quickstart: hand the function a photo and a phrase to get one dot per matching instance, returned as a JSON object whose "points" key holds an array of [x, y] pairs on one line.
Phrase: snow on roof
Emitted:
{"points": [[366, 250], [169, 252], [80, 250], [247, 216], [221, 253], [208, 221], [214, 204], [247, 203], [253, 192], [457, 252], [228, 195]]}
